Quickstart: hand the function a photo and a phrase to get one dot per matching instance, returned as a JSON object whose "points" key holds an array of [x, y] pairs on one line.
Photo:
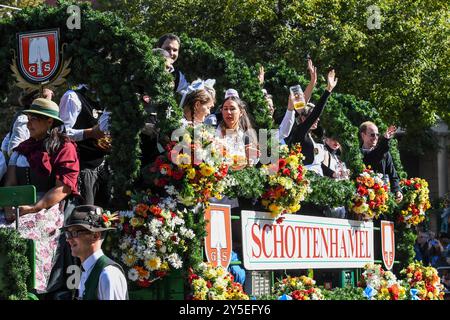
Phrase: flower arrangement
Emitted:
{"points": [[371, 197], [416, 201], [153, 239], [380, 284], [192, 170], [424, 282], [298, 288], [286, 185], [214, 283]]}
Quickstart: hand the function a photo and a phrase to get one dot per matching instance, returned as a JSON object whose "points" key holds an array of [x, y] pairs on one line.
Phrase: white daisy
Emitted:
{"points": [[133, 275]]}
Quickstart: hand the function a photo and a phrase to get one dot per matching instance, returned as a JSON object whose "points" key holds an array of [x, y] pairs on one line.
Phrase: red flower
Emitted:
{"points": [[156, 210], [161, 182], [166, 167], [282, 163], [286, 172], [178, 175], [362, 190], [297, 295], [372, 204], [408, 182], [174, 238], [105, 218], [376, 186], [144, 283], [161, 274], [417, 186], [161, 219], [170, 145], [280, 220], [209, 284]]}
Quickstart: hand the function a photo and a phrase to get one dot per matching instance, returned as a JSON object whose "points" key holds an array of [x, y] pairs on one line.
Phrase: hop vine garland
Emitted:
{"points": [[16, 265]]}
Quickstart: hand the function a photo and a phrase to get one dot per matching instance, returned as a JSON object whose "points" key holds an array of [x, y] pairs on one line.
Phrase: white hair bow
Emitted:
{"points": [[197, 85]]}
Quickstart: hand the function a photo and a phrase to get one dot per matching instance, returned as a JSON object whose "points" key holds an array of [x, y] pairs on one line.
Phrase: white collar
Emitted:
{"points": [[92, 259]]}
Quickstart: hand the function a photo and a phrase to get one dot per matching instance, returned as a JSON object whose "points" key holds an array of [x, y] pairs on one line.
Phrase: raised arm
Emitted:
{"points": [[302, 129], [312, 82]]}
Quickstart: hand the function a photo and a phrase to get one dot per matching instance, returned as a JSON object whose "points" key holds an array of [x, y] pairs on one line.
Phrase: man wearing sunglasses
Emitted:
{"points": [[101, 277], [376, 154]]}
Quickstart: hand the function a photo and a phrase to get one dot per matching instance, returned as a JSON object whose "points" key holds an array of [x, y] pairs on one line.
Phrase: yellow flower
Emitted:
{"points": [[129, 259], [153, 263], [206, 170], [294, 208], [164, 266], [134, 222], [128, 193], [191, 173], [275, 209], [292, 160], [183, 160]]}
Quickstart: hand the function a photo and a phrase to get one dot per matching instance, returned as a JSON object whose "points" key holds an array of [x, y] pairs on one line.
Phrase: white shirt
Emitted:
{"points": [[18, 134], [287, 124], [182, 84], [5, 143], [112, 284], [316, 166], [18, 160], [69, 110]]}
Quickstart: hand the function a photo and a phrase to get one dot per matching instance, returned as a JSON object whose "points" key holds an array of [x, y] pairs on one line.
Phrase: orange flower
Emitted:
{"points": [[141, 209]]}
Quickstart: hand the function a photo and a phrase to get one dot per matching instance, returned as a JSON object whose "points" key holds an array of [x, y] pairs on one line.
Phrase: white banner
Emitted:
{"points": [[302, 242]]}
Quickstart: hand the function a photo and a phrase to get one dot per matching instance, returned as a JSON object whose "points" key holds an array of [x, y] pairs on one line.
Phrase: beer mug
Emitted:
{"points": [[299, 99]]}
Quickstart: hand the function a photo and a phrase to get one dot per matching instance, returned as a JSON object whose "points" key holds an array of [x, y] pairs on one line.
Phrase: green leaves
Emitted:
{"points": [[15, 265], [329, 192]]}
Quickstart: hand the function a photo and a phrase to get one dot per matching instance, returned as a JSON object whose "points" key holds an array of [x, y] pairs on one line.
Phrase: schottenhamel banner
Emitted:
{"points": [[302, 242]]}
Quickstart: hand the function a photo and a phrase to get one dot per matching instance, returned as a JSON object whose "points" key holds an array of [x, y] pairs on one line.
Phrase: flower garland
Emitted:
{"points": [[424, 282], [371, 197], [153, 239], [416, 201], [380, 284], [329, 192], [214, 283], [297, 288], [286, 185], [16, 265]]}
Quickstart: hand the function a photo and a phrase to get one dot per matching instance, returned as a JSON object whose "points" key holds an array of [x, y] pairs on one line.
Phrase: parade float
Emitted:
{"points": [[162, 233]]}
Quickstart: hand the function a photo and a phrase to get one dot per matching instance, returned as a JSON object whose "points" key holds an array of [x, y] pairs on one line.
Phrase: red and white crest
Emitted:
{"points": [[388, 243], [38, 54], [218, 239]]}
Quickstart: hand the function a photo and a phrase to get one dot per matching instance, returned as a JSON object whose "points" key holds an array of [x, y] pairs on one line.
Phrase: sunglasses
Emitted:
{"points": [[75, 233], [373, 135]]}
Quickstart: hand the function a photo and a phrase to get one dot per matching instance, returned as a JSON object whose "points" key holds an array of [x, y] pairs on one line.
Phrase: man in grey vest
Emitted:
{"points": [[101, 277]]}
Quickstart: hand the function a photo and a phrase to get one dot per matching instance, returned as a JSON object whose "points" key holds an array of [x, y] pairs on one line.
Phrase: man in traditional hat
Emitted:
{"points": [[101, 278]]}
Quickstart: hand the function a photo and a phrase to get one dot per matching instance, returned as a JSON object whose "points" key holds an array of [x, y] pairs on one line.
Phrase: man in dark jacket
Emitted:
{"points": [[376, 154]]}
